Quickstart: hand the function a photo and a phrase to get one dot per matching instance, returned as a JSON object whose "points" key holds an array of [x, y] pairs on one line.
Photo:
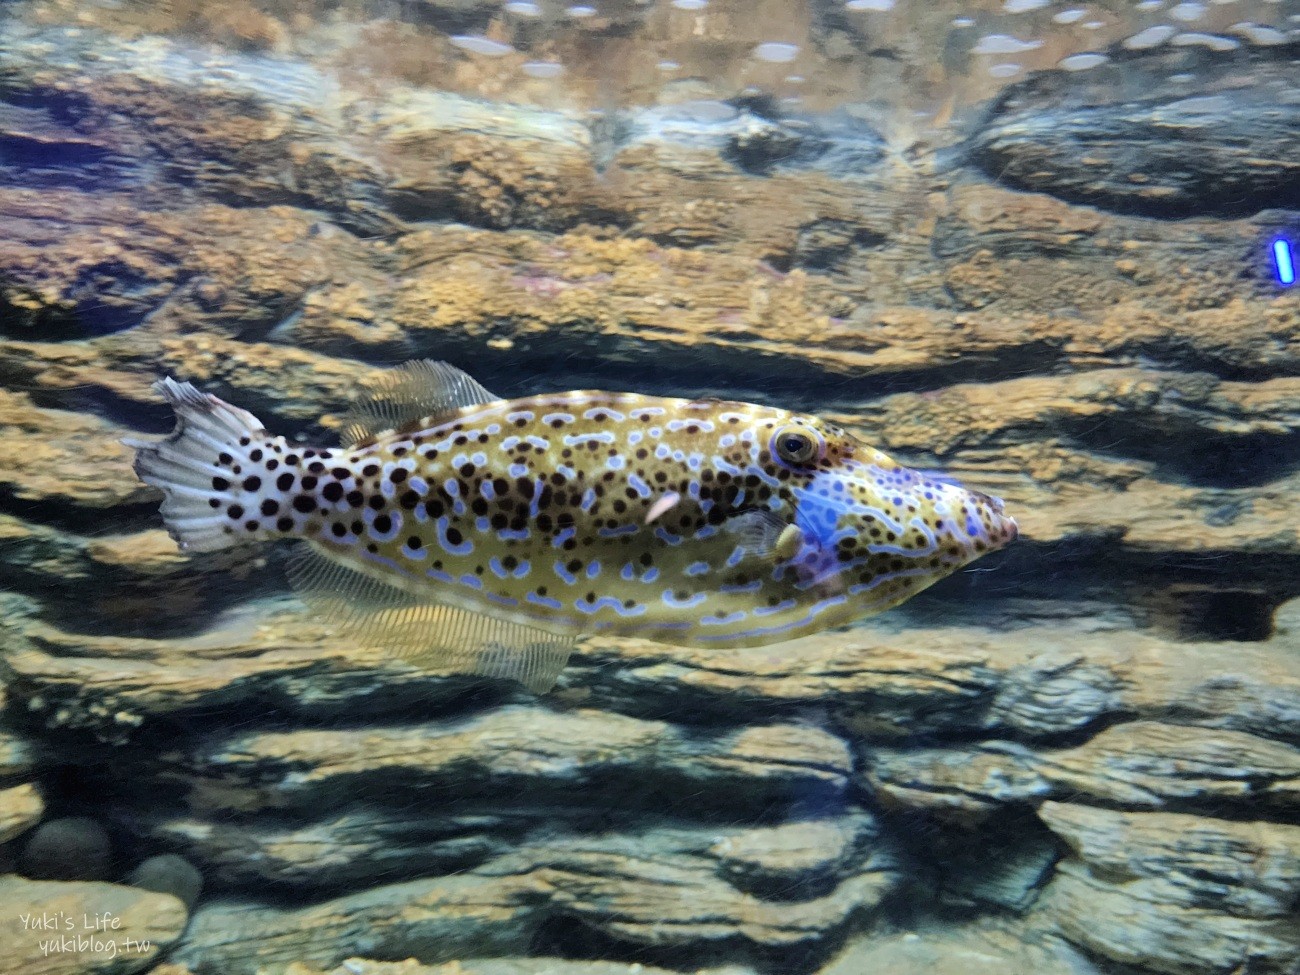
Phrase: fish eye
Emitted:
{"points": [[795, 446]]}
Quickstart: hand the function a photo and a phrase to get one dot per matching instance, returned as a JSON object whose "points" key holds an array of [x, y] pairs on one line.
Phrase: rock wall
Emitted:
{"points": [[1083, 756]]}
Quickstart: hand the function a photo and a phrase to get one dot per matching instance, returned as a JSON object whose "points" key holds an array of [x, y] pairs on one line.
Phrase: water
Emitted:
{"points": [[1037, 249]]}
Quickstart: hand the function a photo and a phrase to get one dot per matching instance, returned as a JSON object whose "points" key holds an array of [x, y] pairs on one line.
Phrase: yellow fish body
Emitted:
{"points": [[460, 528]]}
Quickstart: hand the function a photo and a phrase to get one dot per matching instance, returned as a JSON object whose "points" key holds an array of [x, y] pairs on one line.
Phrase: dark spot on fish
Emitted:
{"points": [[376, 502], [356, 499], [235, 511], [383, 524], [284, 481], [316, 467], [574, 565], [270, 507], [338, 529], [291, 460], [414, 542], [244, 441], [309, 483], [399, 451], [370, 470], [213, 503], [467, 470], [272, 464], [252, 483], [409, 499], [341, 473], [225, 458], [454, 536], [332, 492], [304, 503], [220, 484], [255, 455], [398, 475], [285, 524], [250, 525]]}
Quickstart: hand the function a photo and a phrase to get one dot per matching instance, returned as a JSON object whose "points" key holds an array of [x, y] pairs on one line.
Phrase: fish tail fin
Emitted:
{"points": [[212, 470]]}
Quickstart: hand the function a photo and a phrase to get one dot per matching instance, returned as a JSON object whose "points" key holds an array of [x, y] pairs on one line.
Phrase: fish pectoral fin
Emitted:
{"points": [[765, 534], [424, 633], [423, 389]]}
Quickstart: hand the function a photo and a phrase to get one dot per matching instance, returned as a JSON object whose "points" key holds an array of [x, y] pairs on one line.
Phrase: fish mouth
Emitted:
{"points": [[1010, 530]]}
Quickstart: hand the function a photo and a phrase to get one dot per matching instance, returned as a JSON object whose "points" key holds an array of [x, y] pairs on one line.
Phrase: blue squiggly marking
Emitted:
{"points": [[690, 601], [604, 532], [604, 436], [395, 518], [780, 607], [735, 617], [464, 548]]}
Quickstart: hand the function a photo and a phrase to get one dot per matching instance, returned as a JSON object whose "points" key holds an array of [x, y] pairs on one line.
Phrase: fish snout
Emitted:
{"points": [[999, 528]]}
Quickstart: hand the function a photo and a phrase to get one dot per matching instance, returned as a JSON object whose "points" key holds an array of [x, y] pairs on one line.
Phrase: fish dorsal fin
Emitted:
{"points": [[426, 634], [416, 390]]}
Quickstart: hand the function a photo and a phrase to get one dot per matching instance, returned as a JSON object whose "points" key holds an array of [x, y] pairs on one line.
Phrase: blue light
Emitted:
{"points": [[1282, 258]]}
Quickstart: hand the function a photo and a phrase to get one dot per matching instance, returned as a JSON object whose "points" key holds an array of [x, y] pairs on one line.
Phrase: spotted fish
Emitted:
{"points": [[470, 532]]}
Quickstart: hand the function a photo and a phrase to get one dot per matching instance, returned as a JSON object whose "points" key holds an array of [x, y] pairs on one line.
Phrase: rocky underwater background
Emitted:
{"points": [[1079, 757]]}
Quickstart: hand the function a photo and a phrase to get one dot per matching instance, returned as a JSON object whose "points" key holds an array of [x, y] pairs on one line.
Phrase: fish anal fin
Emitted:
{"points": [[409, 397], [425, 634]]}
